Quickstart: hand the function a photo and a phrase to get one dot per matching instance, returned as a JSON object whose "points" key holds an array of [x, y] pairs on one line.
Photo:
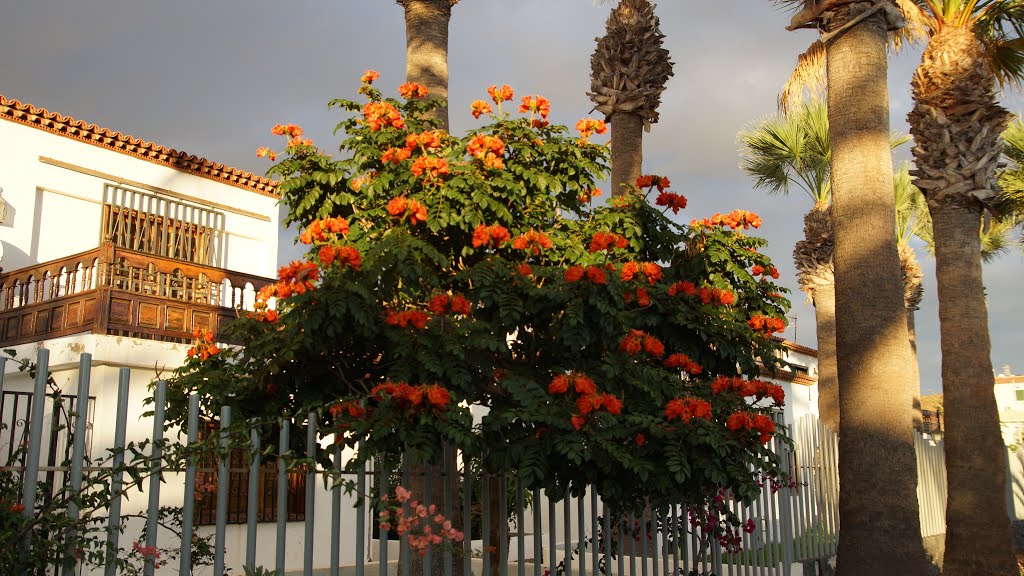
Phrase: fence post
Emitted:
{"points": [[252, 504], [282, 493], [114, 521], [307, 561], [152, 515], [785, 504], [223, 473], [35, 438], [188, 506], [77, 458]]}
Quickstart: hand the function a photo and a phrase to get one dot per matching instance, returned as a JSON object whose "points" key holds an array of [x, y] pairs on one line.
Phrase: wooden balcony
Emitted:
{"points": [[111, 290]]}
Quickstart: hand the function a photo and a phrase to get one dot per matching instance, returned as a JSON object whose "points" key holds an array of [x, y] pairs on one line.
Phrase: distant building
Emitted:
{"points": [[1010, 399], [800, 383]]}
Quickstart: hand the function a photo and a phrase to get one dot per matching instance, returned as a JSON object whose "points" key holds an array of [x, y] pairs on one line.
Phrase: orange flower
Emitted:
{"points": [[401, 206], [633, 342], [611, 403], [297, 278], [640, 439], [430, 168], [685, 287], [559, 384], [411, 90], [494, 235], [427, 140], [525, 270], [578, 421], [757, 270], [588, 195], [675, 202], [607, 241], [574, 274], [460, 305], [538, 104], [538, 123], [590, 126], [395, 155], [264, 151], [503, 94], [481, 144], [686, 409], [438, 396], [588, 403], [653, 346], [596, 275], [532, 241], [479, 107], [766, 325], [369, 76], [642, 298], [379, 115], [414, 318]]}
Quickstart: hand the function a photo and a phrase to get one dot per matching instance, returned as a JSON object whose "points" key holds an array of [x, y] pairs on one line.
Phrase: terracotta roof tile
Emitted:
{"points": [[66, 126]]}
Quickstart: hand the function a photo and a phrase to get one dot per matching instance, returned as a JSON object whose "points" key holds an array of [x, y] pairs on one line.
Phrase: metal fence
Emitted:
{"points": [[535, 535]]}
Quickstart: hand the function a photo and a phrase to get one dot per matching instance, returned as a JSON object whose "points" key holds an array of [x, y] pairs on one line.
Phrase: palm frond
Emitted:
{"points": [[996, 240], [918, 24], [808, 77], [911, 211], [789, 149]]}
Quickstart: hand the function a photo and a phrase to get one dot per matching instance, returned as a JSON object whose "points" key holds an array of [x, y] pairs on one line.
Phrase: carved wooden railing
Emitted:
{"points": [[111, 290]]}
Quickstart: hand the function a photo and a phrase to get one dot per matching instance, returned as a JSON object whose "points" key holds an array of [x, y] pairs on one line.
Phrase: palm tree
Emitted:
{"points": [[426, 49], [973, 46], [793, 149], [629, 70], [878, 471], [1010, 203]]}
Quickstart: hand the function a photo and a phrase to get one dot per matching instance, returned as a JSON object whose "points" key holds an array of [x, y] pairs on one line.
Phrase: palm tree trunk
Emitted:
{"points": [[978, 536], [627, 149], [881, 531], [426, 50], [828, 374]]}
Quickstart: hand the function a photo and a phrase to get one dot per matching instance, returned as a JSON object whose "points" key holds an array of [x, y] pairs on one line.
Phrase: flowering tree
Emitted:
{"points": [[607, 341]]}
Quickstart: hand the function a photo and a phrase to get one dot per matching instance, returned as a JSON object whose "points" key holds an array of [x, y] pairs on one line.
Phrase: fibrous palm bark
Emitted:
{"points": [[426, 49], [629, 72], [956, 123], [877, 464]]}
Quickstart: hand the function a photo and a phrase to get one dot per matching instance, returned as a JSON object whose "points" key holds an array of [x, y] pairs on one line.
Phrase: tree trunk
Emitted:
{"points": [[828, 375], [426, 50], [627, 149], [881, 531], [979, 540]]}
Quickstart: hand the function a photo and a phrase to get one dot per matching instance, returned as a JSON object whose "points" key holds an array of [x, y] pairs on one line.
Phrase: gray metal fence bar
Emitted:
{"points": [[785, 508], [679, 546], [467, 519], [35, 440], [253, 497], [382, 491], [156, 474], [567, 531], [77, 456], [552, 562], [3, 368], [336, 513], [188, 506], [485, 519], [664, 541], [521, 527], [360, 519], [223, 462], [502, 521], [581, 533], [607, 540], [117, 461], [595, 543], [311, 446], [282, 493], [644, 519], [538, 536]]}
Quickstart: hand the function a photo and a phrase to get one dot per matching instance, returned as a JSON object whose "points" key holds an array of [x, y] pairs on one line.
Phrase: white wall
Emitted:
{"points": [[54, 212]]}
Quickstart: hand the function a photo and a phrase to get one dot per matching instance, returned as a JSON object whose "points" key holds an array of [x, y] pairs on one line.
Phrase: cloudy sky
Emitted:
{"points": [[211, 78]]}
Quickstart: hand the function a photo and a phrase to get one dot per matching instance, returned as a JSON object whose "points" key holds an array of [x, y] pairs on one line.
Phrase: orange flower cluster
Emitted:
{"points": [[369, 76], [686, 409], [766, 325], [577, 381], [650, 270], [686, 287], [395, 155], [643, 299], [490, 149], [675, 202], [290, 130], [532, 241], [351, 409], [749, 388], [759, 270], [380, 115], [204, 347], [594, 274], [537, 104], [411, 90], [716, 295], [587, 127], [638, 340], [648, 181], [264, 151], [503, 94], [318, 230], [266, 315], [525, 270], [593, 402], [607, 241], [401, 207], [344, 255], [589, 195], [428, 140], [433, 395], [429, 168], [683, 362], [736, 219], [456, 304], [415, 318], [494, 236], [298, 141], [296, 278], [479, 108], [756, 422]]}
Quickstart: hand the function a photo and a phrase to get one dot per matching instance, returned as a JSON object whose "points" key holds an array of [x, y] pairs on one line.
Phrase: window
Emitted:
{"points": [[1020, 395]]}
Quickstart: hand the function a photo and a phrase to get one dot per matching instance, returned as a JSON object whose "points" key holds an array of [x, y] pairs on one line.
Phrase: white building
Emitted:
{"points": [[1009, 391]]}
